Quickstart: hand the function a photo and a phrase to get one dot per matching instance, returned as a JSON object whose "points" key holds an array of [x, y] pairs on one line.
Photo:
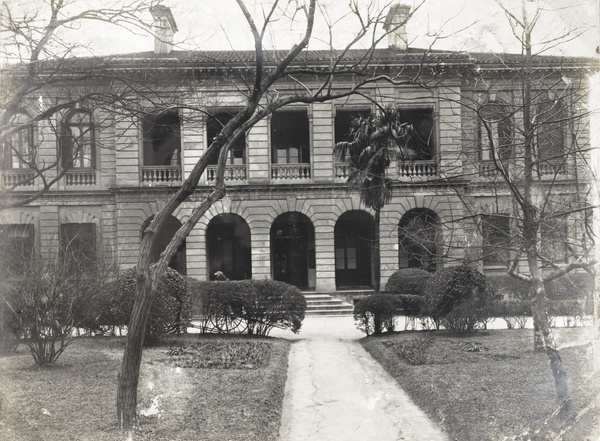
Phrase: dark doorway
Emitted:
{"points": [[164, 236], [228, 242], [293, 250], [418, 240], [354, 236]]}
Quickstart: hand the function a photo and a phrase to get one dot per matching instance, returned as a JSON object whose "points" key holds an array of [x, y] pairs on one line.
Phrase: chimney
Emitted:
{"points": [[164, 28], [395, 26]]}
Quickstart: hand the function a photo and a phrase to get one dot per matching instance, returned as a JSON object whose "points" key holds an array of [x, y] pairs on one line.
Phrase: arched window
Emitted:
{"points": [[494, 132], [419, 237], [77, 146], [19, 143]]}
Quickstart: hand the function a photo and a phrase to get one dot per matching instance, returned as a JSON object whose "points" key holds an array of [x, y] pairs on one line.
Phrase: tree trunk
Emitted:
{"points": [[377, 255], [540, 316]]}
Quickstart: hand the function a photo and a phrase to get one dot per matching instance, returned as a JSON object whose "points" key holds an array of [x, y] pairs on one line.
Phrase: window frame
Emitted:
{"points": [[243, 141], [502, 133], [10, 160], [79, 261], [502, 236], [67, 143], [308, 148]]}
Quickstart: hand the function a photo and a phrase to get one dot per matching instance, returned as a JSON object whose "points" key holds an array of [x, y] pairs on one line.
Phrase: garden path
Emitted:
{"points": [[336, 391]]}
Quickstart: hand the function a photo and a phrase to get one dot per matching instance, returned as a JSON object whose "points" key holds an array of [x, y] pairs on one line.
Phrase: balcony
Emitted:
{"points": [[233, 173], [552, 170], [342, 170], [290, 172], [18, 178], [417, 169], [487, 169], [80, 177], [161, 175]]}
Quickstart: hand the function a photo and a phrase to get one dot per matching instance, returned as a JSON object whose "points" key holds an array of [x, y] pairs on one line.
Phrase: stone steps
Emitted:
{"points": [[320, 304]]}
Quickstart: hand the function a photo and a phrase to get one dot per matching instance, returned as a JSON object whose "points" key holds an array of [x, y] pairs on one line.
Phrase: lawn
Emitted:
{"points": [[488, 385], [209, 388]]}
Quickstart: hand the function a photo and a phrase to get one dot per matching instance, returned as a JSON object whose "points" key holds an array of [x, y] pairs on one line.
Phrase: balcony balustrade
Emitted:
{"points": [[80, 177], [290, 172], [18, 178], [161, 174], [417, 169], [233, 173], [552, 170], [342, 170]]}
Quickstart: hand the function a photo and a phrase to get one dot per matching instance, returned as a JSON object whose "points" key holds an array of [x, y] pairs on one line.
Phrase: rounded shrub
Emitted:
{"points": [[408, 281], [409, 284], [257, 306], [170, 310], [460, 298], [376, 313]]}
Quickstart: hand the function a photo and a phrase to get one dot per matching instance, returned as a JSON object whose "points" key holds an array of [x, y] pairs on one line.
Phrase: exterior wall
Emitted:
{"points": [[120, 206]]}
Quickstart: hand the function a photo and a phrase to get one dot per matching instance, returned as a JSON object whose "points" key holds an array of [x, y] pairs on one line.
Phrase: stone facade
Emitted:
{"points": [[122, 191]]}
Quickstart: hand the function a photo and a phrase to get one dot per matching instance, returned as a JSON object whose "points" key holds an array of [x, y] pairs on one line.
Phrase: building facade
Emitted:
{"points": [[287, 214]]}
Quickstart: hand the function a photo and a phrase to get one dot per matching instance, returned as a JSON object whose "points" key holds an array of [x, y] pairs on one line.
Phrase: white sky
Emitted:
{"points": [[471, 25]]}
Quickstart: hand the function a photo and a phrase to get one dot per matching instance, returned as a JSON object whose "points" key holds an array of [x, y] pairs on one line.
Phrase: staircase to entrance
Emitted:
{"points": [[332, 304]]}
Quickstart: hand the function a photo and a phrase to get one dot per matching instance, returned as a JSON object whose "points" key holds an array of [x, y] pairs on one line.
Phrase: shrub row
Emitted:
{"points": [[462, 299], [252, 306]]}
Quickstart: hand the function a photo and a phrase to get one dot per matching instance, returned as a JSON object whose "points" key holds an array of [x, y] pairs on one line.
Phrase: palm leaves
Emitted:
{"points": [[374, 142]]}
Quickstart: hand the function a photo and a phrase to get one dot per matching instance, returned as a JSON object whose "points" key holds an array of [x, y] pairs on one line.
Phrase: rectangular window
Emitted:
{"points": [[214, 124], [422, 145], [17, 247], [78, 246], [290, 137], [343, 123], [554, 240], [162, 139], [495, 229]]}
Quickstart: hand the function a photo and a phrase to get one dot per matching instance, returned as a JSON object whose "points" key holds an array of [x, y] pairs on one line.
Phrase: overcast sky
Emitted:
{"points": [[472, 25]]}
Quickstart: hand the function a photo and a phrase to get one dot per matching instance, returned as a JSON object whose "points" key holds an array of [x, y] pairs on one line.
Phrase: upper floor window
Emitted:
{"points": [[17, 245], [77, 149], [19, 144], [237, 152], [551, 125], [162, 139], [290, 137], [494, 132], [495, 229], [422, 142], [78, 245]]}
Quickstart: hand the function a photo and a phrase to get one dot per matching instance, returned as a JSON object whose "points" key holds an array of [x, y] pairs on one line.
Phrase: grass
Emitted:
{"points": [[488, 385], [208, 388]]}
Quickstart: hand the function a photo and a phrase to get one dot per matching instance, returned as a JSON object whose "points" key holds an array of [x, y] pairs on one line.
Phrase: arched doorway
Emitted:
{"points": [[293, 250], [164, 236], [354, 237], [228, 247], [419, 237]]}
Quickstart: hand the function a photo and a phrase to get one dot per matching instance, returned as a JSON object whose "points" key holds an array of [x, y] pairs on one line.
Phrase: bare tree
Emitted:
{"points": [[269, 80], [41, 84]]}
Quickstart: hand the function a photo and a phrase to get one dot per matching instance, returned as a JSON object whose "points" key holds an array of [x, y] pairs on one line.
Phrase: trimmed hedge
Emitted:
{"points": [[460, 298], [412, 281], [256, 306], [170, 311], [376, 313]]}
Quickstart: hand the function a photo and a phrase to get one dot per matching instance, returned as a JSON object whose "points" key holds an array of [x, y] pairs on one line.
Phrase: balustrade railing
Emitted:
{"points": [[281, 172], [161, 174], [80, 177], [18, 178], [233, 173], [487, 169], [551, 170], [342, 170], [417, 169]]}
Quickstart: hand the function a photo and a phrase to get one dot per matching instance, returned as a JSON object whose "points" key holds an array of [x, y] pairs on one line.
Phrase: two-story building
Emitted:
{"points": [[287, 214]]}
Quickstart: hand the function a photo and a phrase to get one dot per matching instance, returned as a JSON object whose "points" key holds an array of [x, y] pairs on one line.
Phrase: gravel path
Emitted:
{"points": [[336, 391]]}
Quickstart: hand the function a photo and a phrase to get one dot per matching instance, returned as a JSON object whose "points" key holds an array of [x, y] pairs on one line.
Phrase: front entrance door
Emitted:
{"points": [[353, 239], [292, 249]]}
